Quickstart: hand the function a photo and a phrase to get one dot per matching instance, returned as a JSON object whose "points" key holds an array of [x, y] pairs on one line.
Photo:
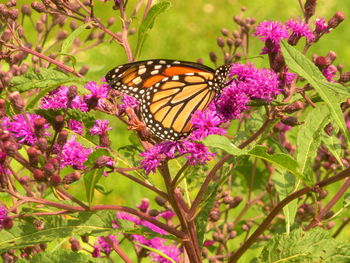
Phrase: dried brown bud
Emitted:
{"points": [[42, 144], [55, 179], [13, 14], [39, 124], [102, 161], [214, 215], [322, 62], [33, 155], [345, 77], [72, 92], [39, 7], [290, 121], [104, 140], [85, 238], [10, 148], [7, 223], [6, 35]]}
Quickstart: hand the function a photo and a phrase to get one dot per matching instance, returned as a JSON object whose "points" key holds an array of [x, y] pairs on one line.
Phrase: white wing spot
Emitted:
{"points": [[154, 72], [176, 78], [137, 80], [176, 62], [157, 67], [141, 70], [149, 62], [162, 62]]}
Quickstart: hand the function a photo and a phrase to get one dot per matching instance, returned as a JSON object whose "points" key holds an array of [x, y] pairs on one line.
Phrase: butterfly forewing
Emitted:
{"points": [[136, 77]]}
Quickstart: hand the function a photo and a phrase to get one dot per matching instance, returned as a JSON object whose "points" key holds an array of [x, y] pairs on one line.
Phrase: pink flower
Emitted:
{"points": [[300, 29], [100, 127], [74, 154]]}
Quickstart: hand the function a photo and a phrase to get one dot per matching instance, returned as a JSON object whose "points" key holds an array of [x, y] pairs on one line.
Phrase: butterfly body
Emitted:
{"points": [[169, 92]]}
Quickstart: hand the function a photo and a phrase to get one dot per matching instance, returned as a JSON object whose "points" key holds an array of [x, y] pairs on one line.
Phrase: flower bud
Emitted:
{"points": [[103, 161], [16, 101], [62, 137], [84, 69], [71, 178], [58, 123], [75, 245], [331, 56], [232, 234], [10, 148], [7, 223], [290, 121], [213, 57], [62, 35], [39, 7], [85, 238], [322, 62], [214, 215], [33, 155], [160, 201], [42, 144], [309, 7], [225, 32], [26, 10], [39, 175], [220, 41], [336, 20], [6, 35], [2, 108], [153, 212], [49, 169], [55, 180], [72, 93], [40, 26], [236, 201], [296, 106], [110, 21], [39, 124], [345, 77]]}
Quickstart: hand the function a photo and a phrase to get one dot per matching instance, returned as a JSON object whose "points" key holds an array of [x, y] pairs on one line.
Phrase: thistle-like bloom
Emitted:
{"points": [[101, 245], [197, 153], [97, 92], [151, 159], [100, 127], [321, 25], [300, 29], [74, 154], [273, 31], [329, 72], [76, 126], [58, 99], [206, 123], [22, 128], [128, 102]]}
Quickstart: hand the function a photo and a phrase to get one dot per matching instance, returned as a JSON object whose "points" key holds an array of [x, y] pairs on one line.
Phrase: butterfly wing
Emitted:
{"points": [[137, 77], [167, 106]]}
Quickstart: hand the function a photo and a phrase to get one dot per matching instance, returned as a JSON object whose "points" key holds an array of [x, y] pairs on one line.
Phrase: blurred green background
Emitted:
{"points": [[188, 31]]}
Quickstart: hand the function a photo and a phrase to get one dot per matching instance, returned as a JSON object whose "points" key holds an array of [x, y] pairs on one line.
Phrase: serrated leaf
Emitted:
{"points": [[67, 43], [59, 256], [24, 234], [45, 79], [285, 183], [309, 138], [333, 144], [297, 62], [315, 245], [223, 143], [147, 24]]}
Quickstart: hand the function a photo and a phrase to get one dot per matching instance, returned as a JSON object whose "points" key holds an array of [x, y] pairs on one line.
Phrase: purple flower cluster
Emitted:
{"points": [[205, 123], [58, 98], [100, 127], [76, 126], [101, 245], [196, 153], [22, 127], [158, 243], [74, 154], [249, 83], [127, 102]]}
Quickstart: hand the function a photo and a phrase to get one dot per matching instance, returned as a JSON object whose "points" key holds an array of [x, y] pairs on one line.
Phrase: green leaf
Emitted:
{"points": [[281, 160], [148, 23], [69, 40], [333, 144], [59, 256], [201, 219], [328, 92], [46, 79], [223, 143], [156, 251], [309, 138], [346, 204], [92, 177], [315, 245], [56, 228], [285, 184]]}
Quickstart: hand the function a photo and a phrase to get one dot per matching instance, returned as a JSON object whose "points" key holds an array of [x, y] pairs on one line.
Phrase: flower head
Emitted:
{"points": [[97, 92], [58, 99], [76, 126], [151, 159], [3, 216], [102, 245], [321, 25], [128, 102], [197, 153], [100, 127], [329, 72], [22, 128], [73, 153], [300, 29], [273, 31], [205, 123]]}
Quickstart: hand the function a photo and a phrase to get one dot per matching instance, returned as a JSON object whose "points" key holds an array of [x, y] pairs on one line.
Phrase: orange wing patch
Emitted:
{"points": [[176, 70]]}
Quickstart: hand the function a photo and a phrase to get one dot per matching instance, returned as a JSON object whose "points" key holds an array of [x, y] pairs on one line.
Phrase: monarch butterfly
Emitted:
{"points": [[169, 92]]}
